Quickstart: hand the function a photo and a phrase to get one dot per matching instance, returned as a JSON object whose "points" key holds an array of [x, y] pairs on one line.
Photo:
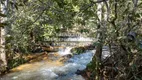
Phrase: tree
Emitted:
{"points": [[3, 12]]}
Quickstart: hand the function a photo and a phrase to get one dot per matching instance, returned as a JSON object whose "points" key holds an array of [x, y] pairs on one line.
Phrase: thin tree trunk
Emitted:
{"points": [[98, 54], [3, 9]]}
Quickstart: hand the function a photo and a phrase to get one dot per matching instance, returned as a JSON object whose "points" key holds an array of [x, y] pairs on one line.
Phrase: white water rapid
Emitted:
{"points": [[64, 72]]}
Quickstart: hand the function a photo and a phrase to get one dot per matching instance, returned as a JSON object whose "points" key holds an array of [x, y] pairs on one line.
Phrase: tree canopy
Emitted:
{"points": [[111, 22]]}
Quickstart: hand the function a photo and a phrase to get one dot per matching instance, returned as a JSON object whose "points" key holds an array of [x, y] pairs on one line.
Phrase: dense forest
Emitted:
{"points": [[33, 29]]}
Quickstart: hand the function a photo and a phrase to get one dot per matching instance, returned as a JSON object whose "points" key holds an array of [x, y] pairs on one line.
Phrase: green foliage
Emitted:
{"points": [[32, 22], [15, 62], [2, 15]]}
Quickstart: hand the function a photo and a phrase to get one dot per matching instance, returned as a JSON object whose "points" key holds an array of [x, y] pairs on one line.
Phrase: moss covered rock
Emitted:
{"points": [[82, 49], [78, 50]]}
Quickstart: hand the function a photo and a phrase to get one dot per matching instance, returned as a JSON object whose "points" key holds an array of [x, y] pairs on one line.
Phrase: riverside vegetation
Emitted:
{"points": [[27, 26]]}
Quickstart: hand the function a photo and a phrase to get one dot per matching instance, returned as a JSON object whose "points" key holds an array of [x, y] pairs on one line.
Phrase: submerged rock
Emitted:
{"points": [[65, 57]]}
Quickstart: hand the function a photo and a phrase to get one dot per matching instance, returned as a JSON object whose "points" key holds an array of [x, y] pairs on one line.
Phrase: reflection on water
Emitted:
{"points": [[52, 71], [33, 71]]}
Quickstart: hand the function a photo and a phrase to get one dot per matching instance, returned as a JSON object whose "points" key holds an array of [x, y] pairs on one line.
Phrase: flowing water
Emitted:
{"points": [[45, 70]]}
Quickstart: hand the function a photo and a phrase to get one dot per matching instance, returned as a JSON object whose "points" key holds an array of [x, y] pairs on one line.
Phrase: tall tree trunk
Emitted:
{"points": [[98, 53], [3, 10], [99, 33]]}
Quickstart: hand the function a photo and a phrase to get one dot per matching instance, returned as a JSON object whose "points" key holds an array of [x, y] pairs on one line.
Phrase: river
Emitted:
{"points": [[45, 70]]}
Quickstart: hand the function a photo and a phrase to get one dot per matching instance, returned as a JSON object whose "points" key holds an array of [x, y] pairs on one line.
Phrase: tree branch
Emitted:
{"points": [[108, 9], [98, 1], [92, 3], [32, 23], [135, 2], [115, 10]]}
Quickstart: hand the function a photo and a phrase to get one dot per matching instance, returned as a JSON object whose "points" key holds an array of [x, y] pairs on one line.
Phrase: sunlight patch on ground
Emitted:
{"points": [[36, 65], [38, 62]]}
